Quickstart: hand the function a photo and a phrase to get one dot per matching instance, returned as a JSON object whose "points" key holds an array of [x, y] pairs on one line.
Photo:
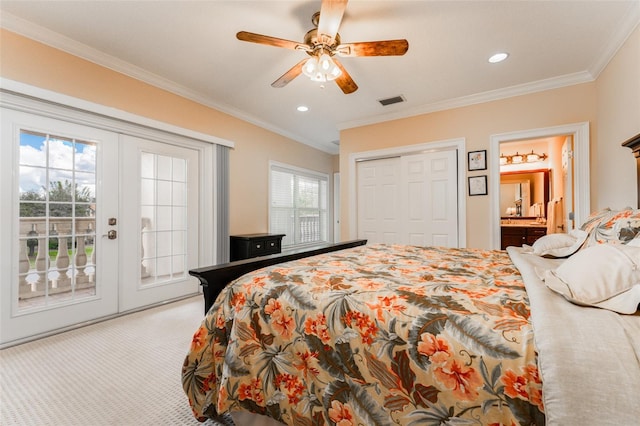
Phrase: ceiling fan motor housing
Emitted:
{"points": [[317, 47]]}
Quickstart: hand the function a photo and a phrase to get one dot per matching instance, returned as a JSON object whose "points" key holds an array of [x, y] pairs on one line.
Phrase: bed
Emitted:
{"points": [[389, 334]]}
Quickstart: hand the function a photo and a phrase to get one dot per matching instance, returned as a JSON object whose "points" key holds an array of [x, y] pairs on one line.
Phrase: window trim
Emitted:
{"points": [[300, 171]]}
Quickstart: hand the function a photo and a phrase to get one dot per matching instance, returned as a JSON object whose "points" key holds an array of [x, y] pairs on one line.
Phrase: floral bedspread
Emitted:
{"points": [[376, 335]]}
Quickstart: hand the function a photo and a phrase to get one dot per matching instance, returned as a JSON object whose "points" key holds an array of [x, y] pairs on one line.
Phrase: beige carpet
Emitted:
{"points": [[124, 371]]}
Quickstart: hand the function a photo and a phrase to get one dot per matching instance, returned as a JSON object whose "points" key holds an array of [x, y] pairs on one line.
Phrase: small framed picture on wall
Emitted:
{"points": [[478, 185], [477, 160]]}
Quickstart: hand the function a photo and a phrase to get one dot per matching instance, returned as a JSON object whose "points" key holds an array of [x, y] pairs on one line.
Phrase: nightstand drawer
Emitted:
{"points": [[273, 245], [256, 248]]}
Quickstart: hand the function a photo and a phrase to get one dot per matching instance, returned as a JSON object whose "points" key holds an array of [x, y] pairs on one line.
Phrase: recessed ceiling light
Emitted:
{"points": [[498, 57], [303, 108]]}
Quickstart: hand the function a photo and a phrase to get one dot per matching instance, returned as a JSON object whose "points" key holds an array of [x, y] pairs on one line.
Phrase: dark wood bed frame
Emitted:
{"points": [[214, 278]]}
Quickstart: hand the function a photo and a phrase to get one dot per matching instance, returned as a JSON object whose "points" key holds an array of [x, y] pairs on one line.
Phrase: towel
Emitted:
{"points": [[555, 216]]}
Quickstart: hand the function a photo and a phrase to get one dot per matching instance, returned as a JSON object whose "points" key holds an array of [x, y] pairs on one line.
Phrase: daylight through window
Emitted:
{"points": [[298, 205]]}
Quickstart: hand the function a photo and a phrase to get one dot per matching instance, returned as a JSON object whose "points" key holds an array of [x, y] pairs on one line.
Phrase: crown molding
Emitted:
{"points": [[620, 36], [66, 44], [617, 40], [493, 95], [58, 41]]}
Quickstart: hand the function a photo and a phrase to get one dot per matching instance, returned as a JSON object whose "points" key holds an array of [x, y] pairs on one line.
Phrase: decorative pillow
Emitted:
{"points": [[559, 245], [594, 219], [612, 227], [606, 276]]}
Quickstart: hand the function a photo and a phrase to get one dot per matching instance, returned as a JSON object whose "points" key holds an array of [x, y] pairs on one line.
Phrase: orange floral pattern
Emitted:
{"points": [[612, 227], [378, 334]]}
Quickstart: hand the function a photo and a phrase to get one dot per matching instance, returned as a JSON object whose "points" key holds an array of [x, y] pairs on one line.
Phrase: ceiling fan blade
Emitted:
{"points": [[344, 80], [271, 41], [331, 13], [286, 78], [374, 48]]}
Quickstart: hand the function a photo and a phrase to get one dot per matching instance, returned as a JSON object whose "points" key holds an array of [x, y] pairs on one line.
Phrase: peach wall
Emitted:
{"points": [[618, 93], [475, 123], [611, 105], [36, 64]]}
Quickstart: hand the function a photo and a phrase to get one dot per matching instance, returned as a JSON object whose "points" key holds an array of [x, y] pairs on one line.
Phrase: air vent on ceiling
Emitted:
{"points": [[392, 100], [336, 142]]}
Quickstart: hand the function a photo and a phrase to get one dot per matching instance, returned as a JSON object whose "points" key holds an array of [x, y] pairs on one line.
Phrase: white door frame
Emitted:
{"points": [[336, 207], [580, 133], [458, 144]]}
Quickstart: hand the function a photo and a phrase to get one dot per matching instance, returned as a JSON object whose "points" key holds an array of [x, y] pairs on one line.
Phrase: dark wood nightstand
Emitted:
{"points": [[248, 246]]}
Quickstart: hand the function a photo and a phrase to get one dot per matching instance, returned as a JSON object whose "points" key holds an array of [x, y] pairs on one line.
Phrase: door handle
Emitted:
{"points": [[112, 235]]}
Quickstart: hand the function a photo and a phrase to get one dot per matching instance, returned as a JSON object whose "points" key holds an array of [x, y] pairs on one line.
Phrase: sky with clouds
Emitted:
{"points": [[66, 160]]}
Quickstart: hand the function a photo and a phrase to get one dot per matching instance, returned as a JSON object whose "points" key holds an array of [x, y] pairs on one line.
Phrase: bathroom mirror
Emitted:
{"points": [[524, 193]]}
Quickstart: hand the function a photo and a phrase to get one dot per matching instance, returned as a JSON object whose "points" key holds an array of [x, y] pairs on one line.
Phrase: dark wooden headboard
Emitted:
{"points": [[214, 278], [634, 144]]}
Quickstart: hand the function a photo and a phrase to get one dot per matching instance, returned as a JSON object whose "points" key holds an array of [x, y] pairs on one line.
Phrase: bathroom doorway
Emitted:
{"points": [[572, 185]]}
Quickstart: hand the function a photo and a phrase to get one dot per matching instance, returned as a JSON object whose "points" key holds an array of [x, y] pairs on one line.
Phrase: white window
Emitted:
{"points": [[298, 205]]}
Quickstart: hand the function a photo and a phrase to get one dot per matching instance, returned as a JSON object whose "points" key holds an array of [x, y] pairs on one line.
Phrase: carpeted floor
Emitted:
{"points": [[124, 371]]}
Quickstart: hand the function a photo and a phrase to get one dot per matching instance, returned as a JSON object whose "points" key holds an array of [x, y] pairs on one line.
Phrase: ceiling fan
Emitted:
{"points": [[323, 44]]}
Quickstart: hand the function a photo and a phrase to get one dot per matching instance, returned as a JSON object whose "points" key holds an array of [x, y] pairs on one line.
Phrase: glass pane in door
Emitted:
{"points": [[163, 207], [57, 199]]}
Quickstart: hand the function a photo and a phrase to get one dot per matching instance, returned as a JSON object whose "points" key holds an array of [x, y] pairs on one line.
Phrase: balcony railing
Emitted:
{"points": [[309, 227], [45, 271]]}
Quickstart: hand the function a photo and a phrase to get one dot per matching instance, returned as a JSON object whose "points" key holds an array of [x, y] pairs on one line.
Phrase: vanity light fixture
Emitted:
{"points": [[532, 157], [516, 159]]}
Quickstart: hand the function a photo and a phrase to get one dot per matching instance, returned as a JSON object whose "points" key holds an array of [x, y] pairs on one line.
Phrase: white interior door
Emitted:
{"points": [[159, 226], [429, 204], [379, 200], [412, 199], [59, 187]]}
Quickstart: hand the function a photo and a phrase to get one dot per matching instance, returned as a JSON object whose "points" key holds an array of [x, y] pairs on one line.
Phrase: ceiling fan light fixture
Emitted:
{"points": [[310, 67], [321, 68], [325, 62], [319, 77]]}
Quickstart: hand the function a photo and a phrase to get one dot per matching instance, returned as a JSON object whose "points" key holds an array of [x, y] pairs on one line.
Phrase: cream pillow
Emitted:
{"points": [[559, 245], [606, 276]]}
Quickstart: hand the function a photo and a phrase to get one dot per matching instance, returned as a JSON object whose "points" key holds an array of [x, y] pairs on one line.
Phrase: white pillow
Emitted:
{"points": [[605, 275], [559, 245]]}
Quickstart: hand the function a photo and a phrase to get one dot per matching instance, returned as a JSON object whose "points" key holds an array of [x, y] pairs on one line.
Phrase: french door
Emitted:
{"points": [[160, 196], [93, 223]]}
